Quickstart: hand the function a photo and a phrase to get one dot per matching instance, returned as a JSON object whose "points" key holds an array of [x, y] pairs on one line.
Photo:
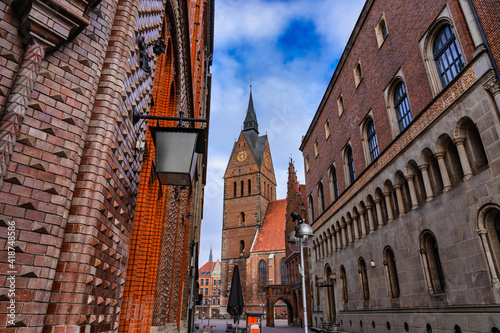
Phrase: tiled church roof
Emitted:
{"points": [[271, 236]]}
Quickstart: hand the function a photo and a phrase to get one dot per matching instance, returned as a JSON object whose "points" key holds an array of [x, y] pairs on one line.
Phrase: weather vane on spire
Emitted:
{"points": [[251, 83]]}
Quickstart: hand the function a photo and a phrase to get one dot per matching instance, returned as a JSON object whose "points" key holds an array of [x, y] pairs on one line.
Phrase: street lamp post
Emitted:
{"points": [[209, 301], [302, 232]]}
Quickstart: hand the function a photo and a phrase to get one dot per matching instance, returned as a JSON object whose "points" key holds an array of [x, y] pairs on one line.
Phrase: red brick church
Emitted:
{"points": [[253, 234]]}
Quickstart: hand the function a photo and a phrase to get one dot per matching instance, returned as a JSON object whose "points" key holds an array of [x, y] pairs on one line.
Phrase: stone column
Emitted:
{"points": [[343, 234], [444, 172], [337, 238], [378, 209], [370, 217], [493, 87], [387, 279], [349, 230], [332, 243], [464, 161], [413, 194], [327, 245], [423, 255], [363, 222], [399, 198], [355, 224], [388, 205], [427, 182], [489, 257]]}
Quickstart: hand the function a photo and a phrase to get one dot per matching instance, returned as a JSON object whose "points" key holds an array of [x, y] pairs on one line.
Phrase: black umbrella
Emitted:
{"points": [[235, 304]]}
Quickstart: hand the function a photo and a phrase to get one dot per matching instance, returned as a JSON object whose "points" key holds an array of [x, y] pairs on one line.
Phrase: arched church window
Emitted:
{"points": [[242, 248], [262, 276]]}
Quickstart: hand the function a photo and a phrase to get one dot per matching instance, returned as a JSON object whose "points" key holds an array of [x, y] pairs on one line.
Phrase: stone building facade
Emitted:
{"points": [[76, 184], [402, 172], [253, 220]]}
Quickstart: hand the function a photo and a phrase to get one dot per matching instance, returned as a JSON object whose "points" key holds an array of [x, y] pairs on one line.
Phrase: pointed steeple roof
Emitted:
{"points": [[250, 123], [210, 258]]}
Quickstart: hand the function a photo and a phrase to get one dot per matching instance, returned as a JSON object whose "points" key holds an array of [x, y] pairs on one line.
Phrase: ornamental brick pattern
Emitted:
{"points": [[77, 176]]}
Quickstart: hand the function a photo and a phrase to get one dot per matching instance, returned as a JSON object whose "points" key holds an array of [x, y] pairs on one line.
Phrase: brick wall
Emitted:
{"points": [[488, 12], [378, 66]]}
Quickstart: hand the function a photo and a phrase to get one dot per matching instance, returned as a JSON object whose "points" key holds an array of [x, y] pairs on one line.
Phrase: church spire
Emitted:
{"points": [[250, 123], [210, 258]]}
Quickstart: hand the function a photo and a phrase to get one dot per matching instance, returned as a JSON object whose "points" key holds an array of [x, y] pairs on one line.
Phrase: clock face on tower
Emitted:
{"points": [[242, 155]]}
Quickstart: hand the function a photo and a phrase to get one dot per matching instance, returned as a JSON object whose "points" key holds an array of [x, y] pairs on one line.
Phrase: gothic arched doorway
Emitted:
{"points": [[276, 310]]}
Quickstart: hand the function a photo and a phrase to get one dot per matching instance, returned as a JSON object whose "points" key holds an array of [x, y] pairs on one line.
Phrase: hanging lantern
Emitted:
{"points": [[177, 150]]}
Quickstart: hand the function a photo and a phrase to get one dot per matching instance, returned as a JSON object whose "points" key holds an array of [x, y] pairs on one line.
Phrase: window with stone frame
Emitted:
{"points": [[402, 106], [334, 189], [358, 74], [321, 198], [363, 280], [343, 284], [432, 263], [391, 273], [262, 276], [349, 165], [441, 51], [447, 54], [381, 31]]}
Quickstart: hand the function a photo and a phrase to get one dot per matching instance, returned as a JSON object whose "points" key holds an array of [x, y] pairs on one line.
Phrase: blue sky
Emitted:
{"points": [[290, 48]]}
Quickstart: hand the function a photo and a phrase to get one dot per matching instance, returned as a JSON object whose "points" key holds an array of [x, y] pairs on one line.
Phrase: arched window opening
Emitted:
{"points": [[249, 187], [343, 283], [349, 161], [474, 147], [242, 218], [436, 181], [371, 138], [402, 106], [262, 276], [391, 273], [242, 248], [234, 189], [242, 188], [489, 233], [418, 182], [451, 159], [363, 280], [334, 189], [432, 264], [321, 199], [447, 55]]}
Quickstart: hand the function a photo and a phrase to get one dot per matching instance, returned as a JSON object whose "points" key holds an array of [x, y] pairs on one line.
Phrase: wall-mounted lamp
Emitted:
{"points": [[158, 48], [372, 263], [177, 149]]}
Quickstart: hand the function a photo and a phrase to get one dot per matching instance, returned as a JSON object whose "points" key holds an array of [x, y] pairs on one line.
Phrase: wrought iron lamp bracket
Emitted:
{"points": [[159, 47]]}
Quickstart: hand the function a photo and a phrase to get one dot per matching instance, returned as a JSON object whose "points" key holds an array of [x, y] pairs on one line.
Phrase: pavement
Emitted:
{"points": [[281, 326]]}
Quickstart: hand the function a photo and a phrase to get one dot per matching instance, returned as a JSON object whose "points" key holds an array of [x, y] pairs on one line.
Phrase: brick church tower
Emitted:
{"points": [[249, 185]]}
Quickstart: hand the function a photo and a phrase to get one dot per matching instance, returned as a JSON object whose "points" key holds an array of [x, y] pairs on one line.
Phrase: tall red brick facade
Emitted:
{"points": [[77, 185], [401, 163]]}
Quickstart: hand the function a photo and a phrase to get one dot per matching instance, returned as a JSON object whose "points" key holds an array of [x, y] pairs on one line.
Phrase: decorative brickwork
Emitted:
{"points": [[78, 176]]}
